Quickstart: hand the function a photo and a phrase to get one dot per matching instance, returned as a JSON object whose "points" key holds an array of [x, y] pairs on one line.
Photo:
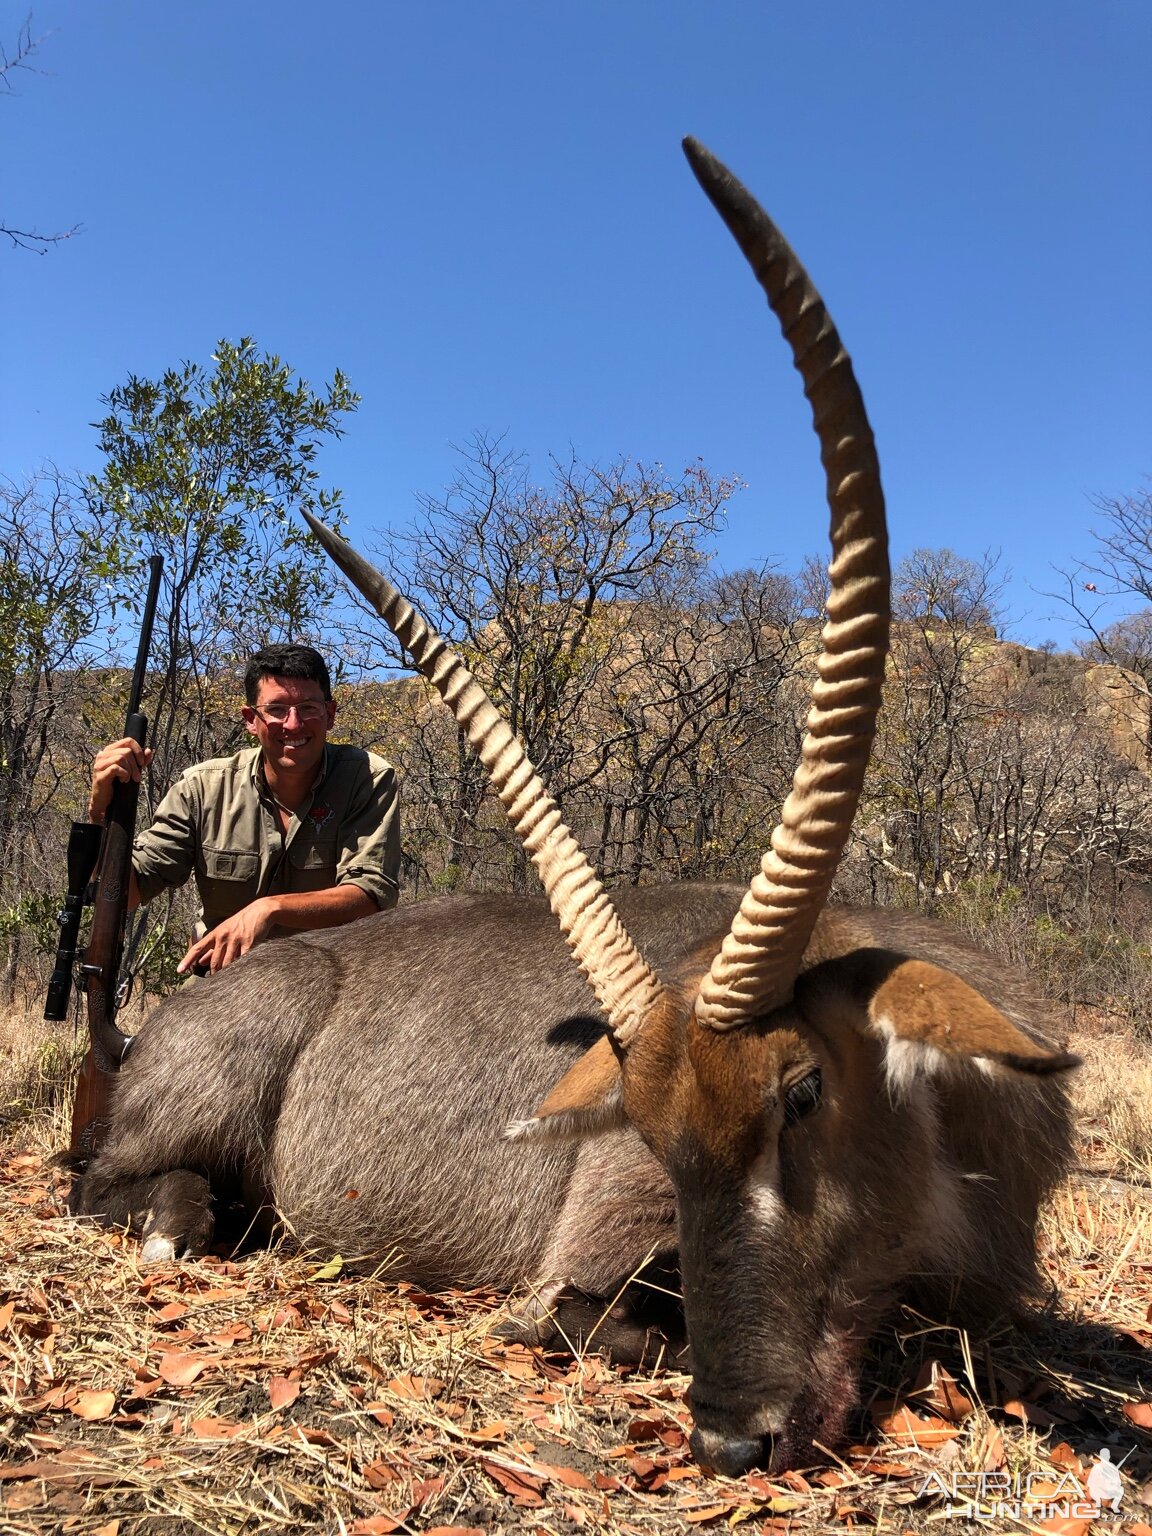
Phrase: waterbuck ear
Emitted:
{"points": [[927, 1014], [585, 1102]]}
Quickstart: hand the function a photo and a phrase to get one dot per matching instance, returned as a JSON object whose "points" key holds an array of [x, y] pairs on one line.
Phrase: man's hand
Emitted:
{"points": [[121, 761], [232, 938]]}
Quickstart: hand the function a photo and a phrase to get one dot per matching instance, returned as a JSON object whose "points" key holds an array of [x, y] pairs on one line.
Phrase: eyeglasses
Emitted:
{"points": [[277, 714]]}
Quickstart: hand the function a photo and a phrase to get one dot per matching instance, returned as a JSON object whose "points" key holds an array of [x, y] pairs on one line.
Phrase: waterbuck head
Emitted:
{"points": [[778, 1079]]}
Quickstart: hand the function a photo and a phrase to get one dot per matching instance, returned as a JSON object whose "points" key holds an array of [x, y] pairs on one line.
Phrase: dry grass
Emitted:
{"points": [[1114, 1098], [273, 1393], [38, 1063]]}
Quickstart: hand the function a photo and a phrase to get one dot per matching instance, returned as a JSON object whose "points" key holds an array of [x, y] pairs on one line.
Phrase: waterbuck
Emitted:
{"points": [[805, 1109]]}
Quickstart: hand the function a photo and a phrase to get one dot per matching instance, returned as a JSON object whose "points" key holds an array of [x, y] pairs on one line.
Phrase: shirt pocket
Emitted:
{"points": [[313, 859], [231, 864]]}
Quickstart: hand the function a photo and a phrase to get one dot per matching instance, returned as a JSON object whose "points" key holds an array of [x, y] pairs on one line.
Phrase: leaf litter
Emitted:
{"points": [[276, 1392]]}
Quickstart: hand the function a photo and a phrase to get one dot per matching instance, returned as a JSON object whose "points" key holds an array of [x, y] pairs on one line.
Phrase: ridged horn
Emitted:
{"points": [[616, 971], [756, 968]]}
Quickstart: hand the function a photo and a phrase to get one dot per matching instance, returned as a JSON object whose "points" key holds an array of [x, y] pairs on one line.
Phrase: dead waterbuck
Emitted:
{"points": [[809, 1109]]}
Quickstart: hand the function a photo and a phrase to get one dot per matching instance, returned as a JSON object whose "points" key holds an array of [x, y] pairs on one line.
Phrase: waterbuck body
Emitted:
{"points": [[800, 1109], [360, 1082]]}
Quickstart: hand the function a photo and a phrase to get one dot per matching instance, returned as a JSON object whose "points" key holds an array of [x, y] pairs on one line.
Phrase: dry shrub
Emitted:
{"points": [[38, 1063], [1113, 1091], [1107, 966]]}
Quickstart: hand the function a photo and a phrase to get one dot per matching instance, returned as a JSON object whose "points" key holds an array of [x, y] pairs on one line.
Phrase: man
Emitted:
{"points": [[292, 833]]}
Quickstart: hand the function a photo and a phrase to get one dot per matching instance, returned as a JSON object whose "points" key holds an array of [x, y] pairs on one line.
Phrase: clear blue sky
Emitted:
{"points": [[481, 213]]}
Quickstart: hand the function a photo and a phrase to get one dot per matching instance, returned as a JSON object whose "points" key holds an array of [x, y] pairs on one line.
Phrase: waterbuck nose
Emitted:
{"points": [[729, 1458]]}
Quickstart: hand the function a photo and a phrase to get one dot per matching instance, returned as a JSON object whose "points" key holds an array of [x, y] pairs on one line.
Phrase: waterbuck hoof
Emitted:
{"points": [[730, 1458], [521, 1328], [158, 1250]]}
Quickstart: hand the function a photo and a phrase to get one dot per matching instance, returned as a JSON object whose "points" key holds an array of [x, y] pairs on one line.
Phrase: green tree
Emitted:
{"points": [[208, 466]]}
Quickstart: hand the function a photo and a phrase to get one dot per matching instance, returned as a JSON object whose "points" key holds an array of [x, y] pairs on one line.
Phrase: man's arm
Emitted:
{"points": [[370, 835], [236, 935], [367, 879]]}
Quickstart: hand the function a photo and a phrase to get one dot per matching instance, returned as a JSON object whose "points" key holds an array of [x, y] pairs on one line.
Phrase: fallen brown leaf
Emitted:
{"points": [[1064, 1456], [181, 1370], [91, 1406], [144, 1386], [378, 1474], [1029, 1413], [1064, 1525], [652, 1428], [497, 1430], [711, 1512], [24, 1498], [522, 1485], [908, 1428], [312, 1436], [571, 1477], [379, 1525], [513, 1360], [416, 1388], [880, 1467], [232, 1334], [1139, 1414], [994, 1453], [282, 1390], [938, 1391], [214, 1429]]}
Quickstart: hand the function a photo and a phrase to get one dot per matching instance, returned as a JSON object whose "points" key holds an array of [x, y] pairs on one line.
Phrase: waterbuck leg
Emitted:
{"points": [[618, 1202], [171, 1211], [639, 1321]]}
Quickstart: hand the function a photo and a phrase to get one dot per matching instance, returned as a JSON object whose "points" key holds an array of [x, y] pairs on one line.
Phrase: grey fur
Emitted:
{"points": [[388, 1057]]}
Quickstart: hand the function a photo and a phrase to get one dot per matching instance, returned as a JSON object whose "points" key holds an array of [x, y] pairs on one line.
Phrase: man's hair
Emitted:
{"points": [[298, 661]]}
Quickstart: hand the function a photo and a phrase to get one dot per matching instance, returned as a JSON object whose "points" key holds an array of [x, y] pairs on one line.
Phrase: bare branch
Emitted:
{"points": [[26, 46], [25, 50], [29, 240]]}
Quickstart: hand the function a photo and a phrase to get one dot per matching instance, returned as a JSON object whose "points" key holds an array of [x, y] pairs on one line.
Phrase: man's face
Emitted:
{"points": [[293, 742]]}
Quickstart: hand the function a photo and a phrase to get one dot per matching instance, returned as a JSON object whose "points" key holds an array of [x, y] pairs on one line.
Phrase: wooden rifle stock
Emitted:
{"points": [[101, 964]]}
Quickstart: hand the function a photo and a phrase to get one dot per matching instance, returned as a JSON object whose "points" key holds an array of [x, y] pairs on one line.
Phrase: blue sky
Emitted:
{"points": [[481, 213]]}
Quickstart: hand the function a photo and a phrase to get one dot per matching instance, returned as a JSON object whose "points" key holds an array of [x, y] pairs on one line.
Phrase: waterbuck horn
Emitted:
{"points": [[616, 971], [756, 968]]}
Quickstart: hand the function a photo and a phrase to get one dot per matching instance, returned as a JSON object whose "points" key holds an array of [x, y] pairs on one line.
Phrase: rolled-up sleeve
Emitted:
{"points": [[165, 855], [369, 837]]}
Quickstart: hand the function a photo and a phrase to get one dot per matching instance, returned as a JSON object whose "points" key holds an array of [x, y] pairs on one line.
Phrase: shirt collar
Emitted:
{"points": [[261, 778]]}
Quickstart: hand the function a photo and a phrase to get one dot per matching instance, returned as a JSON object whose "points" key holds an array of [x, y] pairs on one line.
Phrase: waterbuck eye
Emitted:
{"points": [[803, 1097]]}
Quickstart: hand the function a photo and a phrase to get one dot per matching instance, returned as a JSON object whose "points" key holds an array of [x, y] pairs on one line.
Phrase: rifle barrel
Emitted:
{"points": [[136, 693]]}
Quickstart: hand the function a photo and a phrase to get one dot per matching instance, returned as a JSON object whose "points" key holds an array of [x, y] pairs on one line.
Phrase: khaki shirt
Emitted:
{"points": [[218, 822]]}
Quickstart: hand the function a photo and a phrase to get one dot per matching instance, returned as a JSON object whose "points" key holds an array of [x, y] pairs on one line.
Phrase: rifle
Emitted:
{"points": [[100, 966]]}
